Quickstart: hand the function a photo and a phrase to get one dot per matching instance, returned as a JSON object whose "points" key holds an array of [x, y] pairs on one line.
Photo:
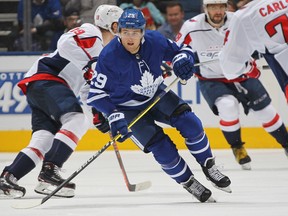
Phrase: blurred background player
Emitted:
{"points": [[123, 89], [58, 122], [259, 26], [205, 34]]}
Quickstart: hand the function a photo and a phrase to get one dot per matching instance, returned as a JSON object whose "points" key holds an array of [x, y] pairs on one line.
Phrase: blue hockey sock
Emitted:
{"points": [[199, 147], [166, 154], [190, 127], [178, 170]]}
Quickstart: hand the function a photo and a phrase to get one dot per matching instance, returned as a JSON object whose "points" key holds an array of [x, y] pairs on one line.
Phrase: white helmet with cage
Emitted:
{"points": [[105, 15]]}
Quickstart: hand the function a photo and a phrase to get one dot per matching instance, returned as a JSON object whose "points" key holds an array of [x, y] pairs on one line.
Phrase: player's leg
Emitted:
{"points": [[228, 111], [24, 162], [43, 130], [64, 109], [267, 115], [61, 106], [190, 127], [179, 115], [278, 71], [221, 101], [150, 138]]}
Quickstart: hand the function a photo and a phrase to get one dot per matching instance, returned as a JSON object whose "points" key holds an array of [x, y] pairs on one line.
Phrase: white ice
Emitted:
{"points": [[101, 190]]}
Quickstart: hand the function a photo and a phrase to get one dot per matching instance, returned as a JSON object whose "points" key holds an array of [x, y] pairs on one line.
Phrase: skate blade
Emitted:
{"points": [[11, 194], [246, 166], [225, 189], [46, 189], [211, 200]]}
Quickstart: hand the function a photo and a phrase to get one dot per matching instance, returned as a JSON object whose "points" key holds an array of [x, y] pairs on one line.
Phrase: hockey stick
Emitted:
{"points": [[36, 203], [131, 187]]}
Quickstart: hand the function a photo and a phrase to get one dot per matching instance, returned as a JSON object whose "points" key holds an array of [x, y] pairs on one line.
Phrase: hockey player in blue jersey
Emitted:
{"points": [[128, 77]]}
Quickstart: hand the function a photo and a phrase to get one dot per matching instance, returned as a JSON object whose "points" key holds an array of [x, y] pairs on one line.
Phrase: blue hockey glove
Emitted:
{"points": [[183, 66], [117, 124]]}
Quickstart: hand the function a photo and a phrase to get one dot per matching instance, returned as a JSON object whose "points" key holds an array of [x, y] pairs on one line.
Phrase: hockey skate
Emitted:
{"points": [[242, 157], [49, 178], [217, 179], [199, 191], [9, 186]]}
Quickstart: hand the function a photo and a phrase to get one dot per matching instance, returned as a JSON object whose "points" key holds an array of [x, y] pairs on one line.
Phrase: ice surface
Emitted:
{"points": [[101, 190]]}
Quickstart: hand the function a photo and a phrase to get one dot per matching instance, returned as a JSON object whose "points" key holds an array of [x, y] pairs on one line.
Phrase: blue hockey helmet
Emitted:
{"points": [[132, 19]]}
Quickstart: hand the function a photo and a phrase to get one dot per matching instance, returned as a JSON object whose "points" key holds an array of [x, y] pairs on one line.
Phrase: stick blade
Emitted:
{"points": [[27, 204], [139, 186]]}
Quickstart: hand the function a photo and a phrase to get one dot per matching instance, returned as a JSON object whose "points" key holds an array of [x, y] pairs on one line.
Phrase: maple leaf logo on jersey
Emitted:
{"points": [[148, 85]]}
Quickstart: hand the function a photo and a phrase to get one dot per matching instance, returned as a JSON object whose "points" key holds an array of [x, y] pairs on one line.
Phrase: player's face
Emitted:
{"points": [[131, 39], [216, 12]]}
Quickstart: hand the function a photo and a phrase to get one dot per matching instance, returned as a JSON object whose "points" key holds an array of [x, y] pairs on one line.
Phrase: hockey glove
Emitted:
{"points": [[254, 72], [89, 70], [183, 65], [117, 124], [166, 70], [99, 121]]}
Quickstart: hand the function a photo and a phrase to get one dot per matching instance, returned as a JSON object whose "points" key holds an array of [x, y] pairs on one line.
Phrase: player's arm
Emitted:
{"points": [[235, 55], [80, 45], [102, 85]]}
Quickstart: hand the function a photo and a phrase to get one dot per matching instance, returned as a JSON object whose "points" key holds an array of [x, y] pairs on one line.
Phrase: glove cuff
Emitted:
{"points": [[115, 117]]}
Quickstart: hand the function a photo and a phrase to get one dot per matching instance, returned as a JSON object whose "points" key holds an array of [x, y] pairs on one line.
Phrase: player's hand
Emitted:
{"points": [[99, 121], [89, 70], [118, 124], [254, 72], [166, 70], [183, 66]]}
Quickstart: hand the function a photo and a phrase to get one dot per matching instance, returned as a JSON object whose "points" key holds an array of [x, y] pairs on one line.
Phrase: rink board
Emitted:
{"points": [[12, 141], [15, 115]]}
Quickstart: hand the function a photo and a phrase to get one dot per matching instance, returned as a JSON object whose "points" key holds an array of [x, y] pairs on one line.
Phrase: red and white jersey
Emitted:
{"points": [[74, 50], [260, 25], [207, 41]]}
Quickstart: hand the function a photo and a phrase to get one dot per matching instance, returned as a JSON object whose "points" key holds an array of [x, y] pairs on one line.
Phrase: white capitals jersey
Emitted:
{"points": [[74, 50], [207, 41], [261, 25]]}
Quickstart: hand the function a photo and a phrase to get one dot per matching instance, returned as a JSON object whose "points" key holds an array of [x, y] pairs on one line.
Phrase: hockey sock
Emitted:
{"points": [[281, 135], [59, 153], [190, 127], [177, 170], [166, 154], [199, 147], [21, 165], [233, 138]]}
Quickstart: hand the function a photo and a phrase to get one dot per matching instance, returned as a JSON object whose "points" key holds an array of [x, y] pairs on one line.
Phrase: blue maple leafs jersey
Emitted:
{"points": [[129, 81]]}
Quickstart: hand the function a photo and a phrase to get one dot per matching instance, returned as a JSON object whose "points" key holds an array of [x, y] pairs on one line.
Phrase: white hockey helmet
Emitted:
{"points": [[105, 15], [205, 2]]}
